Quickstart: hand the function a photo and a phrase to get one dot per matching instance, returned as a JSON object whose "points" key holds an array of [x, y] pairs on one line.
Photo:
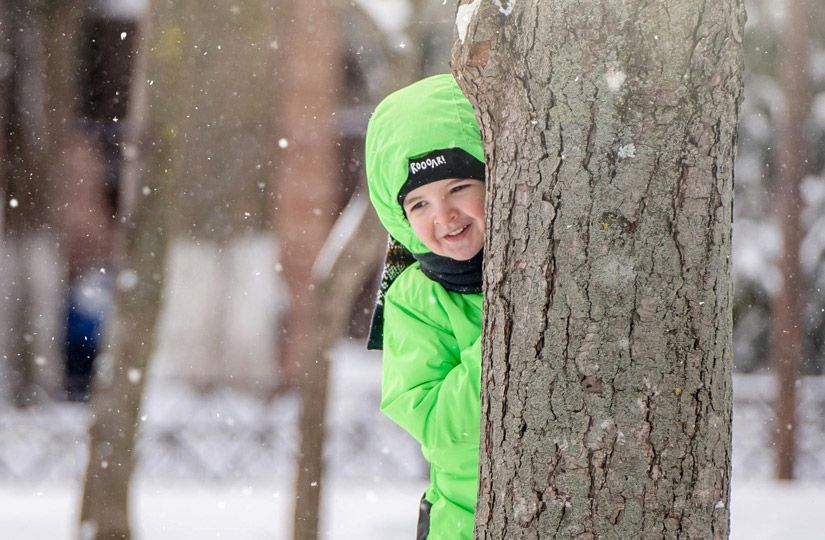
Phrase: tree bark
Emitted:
{"points": [[609, 132], [788, 328]]}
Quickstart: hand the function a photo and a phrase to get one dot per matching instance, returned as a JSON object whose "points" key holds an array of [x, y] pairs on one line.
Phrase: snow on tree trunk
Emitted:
{"points": [[610, 133]]}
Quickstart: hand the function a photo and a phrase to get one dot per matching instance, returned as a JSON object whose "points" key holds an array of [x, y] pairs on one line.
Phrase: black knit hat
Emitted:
{"points": [[440, 165]]}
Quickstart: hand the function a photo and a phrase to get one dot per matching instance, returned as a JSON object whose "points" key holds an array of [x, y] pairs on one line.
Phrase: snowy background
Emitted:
{"points": [[216, 456], [220, 465]]}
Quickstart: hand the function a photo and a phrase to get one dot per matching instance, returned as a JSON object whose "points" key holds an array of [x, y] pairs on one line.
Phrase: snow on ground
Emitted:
{"points": [[192, 511], [354, 509], [376, 475], [770, 510]]}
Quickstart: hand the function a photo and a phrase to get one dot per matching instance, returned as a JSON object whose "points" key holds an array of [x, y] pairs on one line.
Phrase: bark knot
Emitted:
{"points": [[479, 54], [592, 384]]}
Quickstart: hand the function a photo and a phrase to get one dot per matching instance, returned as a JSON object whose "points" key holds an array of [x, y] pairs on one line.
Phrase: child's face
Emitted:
{"points": [[448, 216]]}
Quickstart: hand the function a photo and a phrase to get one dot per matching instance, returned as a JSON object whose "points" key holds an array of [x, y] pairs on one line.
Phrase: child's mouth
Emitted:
{"points": [[458, 233]]}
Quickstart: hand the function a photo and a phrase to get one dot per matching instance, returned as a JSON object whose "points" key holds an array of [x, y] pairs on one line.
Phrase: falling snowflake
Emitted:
{"points": [[134, 375]]}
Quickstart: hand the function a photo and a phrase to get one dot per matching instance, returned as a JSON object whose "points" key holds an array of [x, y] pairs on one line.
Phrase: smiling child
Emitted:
{"points": [[426, 174]]}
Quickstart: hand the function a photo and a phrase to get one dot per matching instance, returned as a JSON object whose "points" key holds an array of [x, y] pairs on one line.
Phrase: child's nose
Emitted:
{"points": [[445, 214]]}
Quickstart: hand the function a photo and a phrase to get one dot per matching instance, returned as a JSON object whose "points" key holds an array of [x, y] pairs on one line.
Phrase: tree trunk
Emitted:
{"points": [[610, 135], [41, 92], [26, 131], [62, 32], [354, 247], [308, 192], [788, 328], [197, 151], [23, 124], [308, 182], [139, 258], [226, 124], [6, 67]]}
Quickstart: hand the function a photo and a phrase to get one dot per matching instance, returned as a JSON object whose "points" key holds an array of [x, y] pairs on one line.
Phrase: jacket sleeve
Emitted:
{"points": [[430, 387]]}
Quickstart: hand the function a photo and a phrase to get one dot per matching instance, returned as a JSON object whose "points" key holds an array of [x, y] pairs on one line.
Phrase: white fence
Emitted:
{"points": [[227, 435]]}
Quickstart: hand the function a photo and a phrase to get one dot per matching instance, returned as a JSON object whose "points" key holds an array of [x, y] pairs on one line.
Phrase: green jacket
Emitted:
{"points": [[432, 337]]}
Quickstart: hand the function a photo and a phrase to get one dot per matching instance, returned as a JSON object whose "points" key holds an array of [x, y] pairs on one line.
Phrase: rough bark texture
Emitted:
{"points": [[788, 327], [610, 136]]}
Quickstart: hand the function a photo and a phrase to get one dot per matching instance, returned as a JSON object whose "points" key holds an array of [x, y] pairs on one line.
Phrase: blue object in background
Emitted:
{"points": [[86, 310]]}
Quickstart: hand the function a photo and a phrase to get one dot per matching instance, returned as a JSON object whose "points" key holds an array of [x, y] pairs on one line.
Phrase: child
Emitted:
{"points": [[425, 172]]}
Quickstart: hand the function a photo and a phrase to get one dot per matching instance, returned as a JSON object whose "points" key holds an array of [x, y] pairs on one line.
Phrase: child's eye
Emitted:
{"points": [[459, 187], [417, 205]]}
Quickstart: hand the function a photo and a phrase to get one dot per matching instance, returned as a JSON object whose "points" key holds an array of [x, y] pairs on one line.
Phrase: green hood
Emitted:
{"points": [[429, 115]]}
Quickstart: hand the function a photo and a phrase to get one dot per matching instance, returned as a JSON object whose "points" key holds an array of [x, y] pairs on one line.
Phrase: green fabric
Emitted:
{"points": [[431, 114], [431, 372], [431, 379]]}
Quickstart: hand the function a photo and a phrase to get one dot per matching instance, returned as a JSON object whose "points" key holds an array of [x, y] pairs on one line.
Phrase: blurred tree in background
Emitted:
{"points": [[327, 280], [779, 246], [201, 152], [758, 240], [787, 336], [40, 100]]}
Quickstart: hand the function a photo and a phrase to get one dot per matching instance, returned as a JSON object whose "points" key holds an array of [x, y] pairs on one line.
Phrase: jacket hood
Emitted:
{"points": [[431, 114]]}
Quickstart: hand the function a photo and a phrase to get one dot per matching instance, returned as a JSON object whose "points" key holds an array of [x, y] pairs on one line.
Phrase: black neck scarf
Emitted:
{"points": [[458, 276]]}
